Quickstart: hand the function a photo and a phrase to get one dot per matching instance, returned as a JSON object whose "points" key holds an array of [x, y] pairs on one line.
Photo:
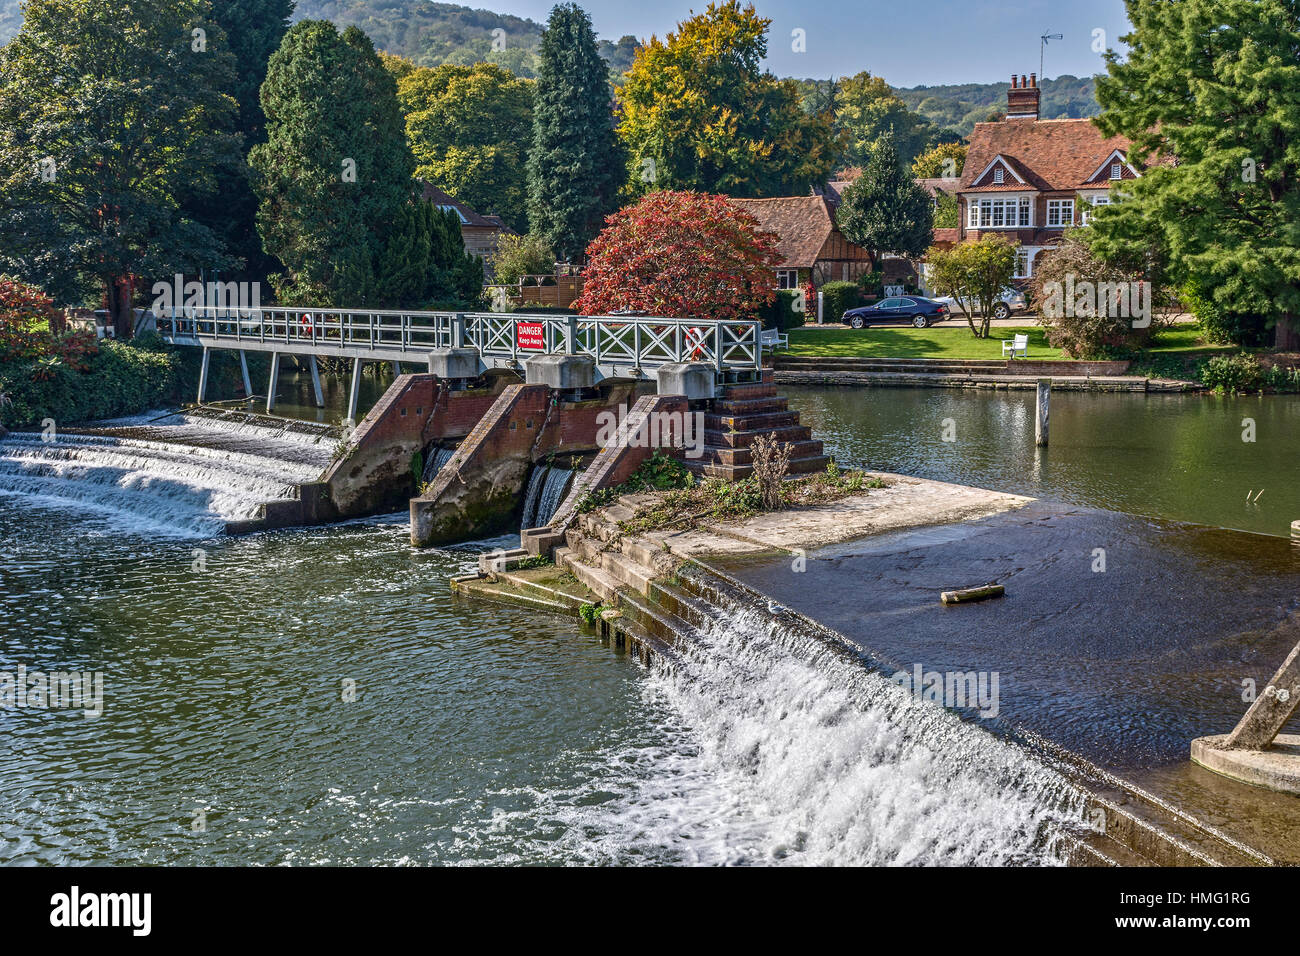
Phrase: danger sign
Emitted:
{"points": [[529, 335]]}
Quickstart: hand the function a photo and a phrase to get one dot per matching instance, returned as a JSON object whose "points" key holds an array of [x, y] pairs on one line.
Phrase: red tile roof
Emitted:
{"points": [[1048, 154], [801, 224]]}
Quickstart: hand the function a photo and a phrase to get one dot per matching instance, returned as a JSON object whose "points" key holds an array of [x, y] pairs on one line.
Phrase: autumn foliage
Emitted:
{"points": [[25, 334], [682, 255]]}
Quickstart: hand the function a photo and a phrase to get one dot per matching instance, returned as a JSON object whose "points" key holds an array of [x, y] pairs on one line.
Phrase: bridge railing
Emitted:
{"points": [[635, 341]]}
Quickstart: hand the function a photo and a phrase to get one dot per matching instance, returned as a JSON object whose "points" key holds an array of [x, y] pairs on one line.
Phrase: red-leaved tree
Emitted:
{"points": [[681, 255]]}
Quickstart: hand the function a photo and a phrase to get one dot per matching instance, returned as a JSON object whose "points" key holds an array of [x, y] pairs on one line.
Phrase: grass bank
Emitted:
{"points": [[1182, 342]]}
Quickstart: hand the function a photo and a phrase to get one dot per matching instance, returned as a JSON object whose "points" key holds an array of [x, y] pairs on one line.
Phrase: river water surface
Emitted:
{"points": [[319, 696]]}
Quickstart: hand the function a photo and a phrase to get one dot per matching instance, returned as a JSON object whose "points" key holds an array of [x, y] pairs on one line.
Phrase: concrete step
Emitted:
{"points": [[597, 580], [721, 455], [745, 423], [627, 571], [750, 406], [743, 439], [798, 466], [747, 391]]}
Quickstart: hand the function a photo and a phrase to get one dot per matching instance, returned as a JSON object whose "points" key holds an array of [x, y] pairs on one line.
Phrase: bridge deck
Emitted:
{"points": [[620, 346]]}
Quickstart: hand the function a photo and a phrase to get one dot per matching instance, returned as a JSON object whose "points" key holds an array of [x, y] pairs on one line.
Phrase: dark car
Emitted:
{"points": [[912, 309]]}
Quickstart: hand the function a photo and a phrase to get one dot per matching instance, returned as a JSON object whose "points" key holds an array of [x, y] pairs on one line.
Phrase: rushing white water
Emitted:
{"points": [[546, 489], [433, 464], [185, 476], [779, 751]]}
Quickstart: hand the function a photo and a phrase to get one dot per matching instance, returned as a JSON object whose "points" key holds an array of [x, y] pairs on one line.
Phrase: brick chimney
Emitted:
{"points": [[1022, 98]]}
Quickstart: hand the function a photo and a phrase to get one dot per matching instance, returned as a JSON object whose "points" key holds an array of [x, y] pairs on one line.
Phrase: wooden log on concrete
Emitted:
{"points": [[966, 595]]}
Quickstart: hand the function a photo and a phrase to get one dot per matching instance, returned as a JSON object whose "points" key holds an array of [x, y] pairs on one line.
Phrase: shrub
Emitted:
{"points": [[1282, 379], [771, 462], [1232, 328], [838, 298], [1085, 327], [519, 256], [119, 380], [781, 312], [1233, 373]]}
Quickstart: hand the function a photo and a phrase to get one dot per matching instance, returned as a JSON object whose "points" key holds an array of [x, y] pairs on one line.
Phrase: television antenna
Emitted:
{"points": [[1042, 46]]}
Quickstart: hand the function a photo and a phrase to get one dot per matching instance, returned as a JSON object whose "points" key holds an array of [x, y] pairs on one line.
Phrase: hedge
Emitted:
{"points": [[838, 298], [121, 379]]}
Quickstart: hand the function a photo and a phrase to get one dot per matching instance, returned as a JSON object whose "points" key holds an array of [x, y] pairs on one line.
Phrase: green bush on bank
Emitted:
{"points": [[120, 379], [782, 314], [1233, 373], [838, 298]]}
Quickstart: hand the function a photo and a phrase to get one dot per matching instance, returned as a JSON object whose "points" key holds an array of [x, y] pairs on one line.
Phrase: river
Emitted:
{"points": [[319, 696]]}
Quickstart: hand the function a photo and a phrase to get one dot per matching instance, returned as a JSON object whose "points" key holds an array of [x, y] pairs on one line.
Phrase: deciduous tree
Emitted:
{"points": [[111, 112], [681, 254], [469, 128], [974, 273], [698, 112]]}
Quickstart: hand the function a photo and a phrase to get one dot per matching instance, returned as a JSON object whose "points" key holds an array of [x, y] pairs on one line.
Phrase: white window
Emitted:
{"points": [[1022, 263], [787, 278], [1116, 171], [1085, 214], [1060, 212], [998, 175], [999, 213]]}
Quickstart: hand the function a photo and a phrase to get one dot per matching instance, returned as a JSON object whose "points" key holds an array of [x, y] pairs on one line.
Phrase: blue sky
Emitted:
{"points": [[908, 42]]}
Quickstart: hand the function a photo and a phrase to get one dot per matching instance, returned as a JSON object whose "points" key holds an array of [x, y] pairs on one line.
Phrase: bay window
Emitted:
{"points": [[999, 213]]}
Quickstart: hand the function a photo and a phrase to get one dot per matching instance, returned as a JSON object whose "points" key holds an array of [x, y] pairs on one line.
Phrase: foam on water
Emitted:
{"points": [[184, 479], [777, 750]]}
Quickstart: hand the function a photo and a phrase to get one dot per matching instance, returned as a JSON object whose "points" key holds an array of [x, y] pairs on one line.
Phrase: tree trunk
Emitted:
{"points": [[119, 306], [1286, 333]]}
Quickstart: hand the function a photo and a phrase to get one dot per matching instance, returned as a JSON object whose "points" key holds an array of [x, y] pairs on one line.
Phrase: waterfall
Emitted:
{"points": [[792, 752], [186, 478], [546, 488], [435, 458]]}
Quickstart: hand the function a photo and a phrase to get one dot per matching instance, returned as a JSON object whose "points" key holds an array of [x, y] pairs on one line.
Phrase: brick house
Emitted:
{"points": [[481, 233], [1028, 179], [812, 248]]}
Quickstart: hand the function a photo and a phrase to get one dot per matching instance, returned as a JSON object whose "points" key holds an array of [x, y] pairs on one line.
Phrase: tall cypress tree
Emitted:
{"points": [[336, 169], [575, 167], [253, 30]]}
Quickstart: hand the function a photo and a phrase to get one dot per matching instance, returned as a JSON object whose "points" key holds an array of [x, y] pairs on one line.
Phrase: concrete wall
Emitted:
{"points": [[480, 490]]}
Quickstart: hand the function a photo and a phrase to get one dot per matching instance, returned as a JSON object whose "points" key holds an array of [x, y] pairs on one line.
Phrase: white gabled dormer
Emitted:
{"points": [[996, 173], [1112, 168]]}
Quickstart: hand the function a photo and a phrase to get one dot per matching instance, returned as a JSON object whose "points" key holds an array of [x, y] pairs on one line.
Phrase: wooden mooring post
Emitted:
{"points": [[1043, 417]]}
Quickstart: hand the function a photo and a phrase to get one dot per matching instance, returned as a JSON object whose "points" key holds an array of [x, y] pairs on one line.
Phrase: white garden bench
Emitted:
{"points": [[773, 339], [1018, 344]]}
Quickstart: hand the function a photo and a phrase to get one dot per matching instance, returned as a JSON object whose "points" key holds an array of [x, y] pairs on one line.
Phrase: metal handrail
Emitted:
{"points": [[637, 341]]}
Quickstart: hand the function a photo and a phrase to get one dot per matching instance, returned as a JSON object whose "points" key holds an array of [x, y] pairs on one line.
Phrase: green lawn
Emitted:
{"points": [[907, 342], [956, 343]]}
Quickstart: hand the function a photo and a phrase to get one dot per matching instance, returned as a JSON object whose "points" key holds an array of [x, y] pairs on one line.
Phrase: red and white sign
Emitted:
{"points": [[530, 335]]}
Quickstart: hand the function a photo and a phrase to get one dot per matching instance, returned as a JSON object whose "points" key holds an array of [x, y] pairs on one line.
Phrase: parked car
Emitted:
{"points": [[1009, 300], [912, 309]]}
